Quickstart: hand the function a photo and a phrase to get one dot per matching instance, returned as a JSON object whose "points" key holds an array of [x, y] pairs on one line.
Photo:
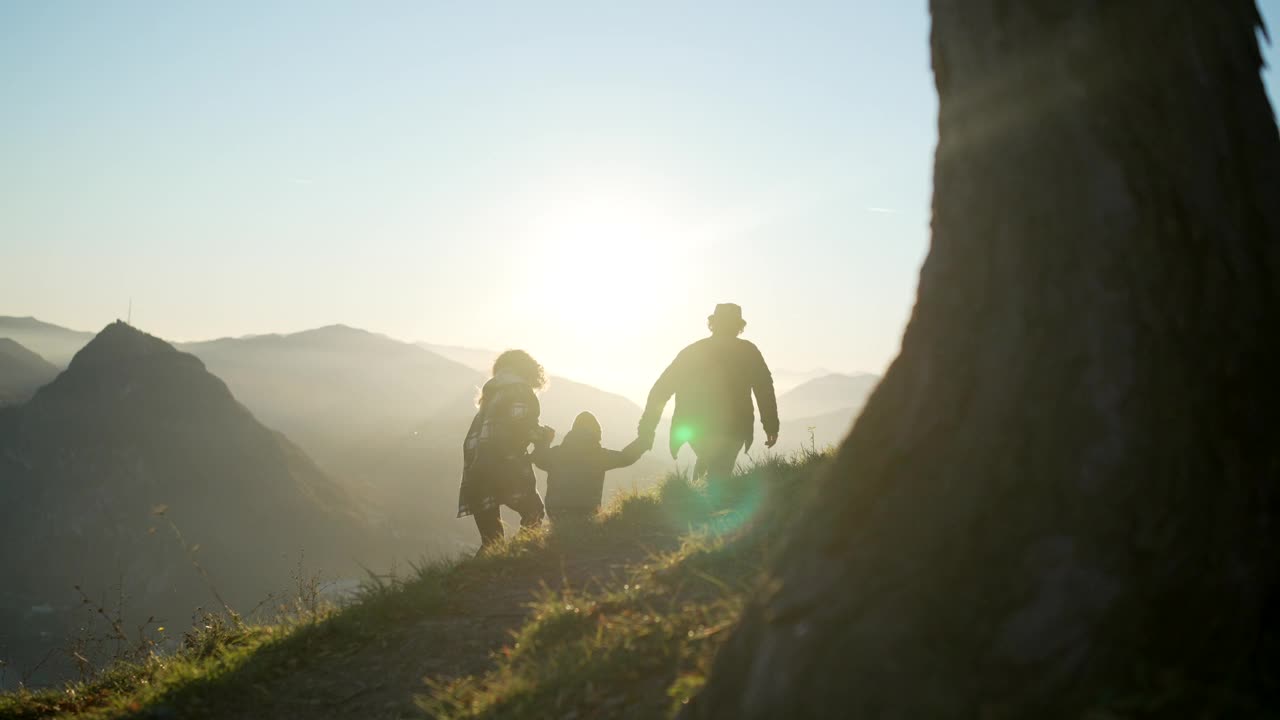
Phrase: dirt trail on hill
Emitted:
{"points": [[380, 678]]}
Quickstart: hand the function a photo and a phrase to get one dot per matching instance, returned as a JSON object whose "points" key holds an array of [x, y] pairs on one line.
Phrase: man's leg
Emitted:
{"points": [[717, 458], [723, 460], [700, 467], [489, 523]]}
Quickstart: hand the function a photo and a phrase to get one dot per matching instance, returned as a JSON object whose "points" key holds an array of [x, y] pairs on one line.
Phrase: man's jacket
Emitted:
{"points": [[713, 380]]}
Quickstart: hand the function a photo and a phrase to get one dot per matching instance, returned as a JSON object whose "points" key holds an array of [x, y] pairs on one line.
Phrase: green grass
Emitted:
{"points": [[225, 657], [640, 648], [643, 647], [635, 644]]}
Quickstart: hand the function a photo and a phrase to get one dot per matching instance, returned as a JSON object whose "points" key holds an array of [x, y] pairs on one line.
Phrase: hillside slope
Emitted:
{"points": [[54, 343], [22, 372], [616, 619]]}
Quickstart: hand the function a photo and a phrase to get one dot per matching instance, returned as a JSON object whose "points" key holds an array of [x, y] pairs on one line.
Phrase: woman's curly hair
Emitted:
{"points": [[521, 363]]}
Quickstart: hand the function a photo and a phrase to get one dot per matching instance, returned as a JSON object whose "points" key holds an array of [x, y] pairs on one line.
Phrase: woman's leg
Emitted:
{"points": [[531, 509], [489, 523]]}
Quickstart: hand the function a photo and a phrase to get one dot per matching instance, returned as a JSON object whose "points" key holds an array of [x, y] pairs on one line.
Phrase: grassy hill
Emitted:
{"points": [[619, 618]]}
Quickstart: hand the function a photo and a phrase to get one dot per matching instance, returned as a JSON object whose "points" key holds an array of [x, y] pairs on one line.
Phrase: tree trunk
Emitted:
{"points": [[1062, 497]]}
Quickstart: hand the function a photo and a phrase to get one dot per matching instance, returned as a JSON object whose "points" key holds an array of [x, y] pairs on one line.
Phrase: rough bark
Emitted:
{"points": [[1063, 494]]}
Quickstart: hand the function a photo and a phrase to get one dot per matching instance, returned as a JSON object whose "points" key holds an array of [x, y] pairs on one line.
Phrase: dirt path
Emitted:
{"points": [[380, 678]]}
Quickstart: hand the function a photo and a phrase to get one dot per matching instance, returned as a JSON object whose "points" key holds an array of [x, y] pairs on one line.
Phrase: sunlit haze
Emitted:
{"points": [[581, 180]]}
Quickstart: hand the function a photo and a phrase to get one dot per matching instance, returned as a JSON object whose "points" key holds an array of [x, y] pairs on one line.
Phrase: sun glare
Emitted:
{"points": [[604, 255]]}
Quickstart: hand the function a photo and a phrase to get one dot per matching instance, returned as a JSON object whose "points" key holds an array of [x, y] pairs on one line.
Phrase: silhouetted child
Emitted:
{"points": [[576, 467]]}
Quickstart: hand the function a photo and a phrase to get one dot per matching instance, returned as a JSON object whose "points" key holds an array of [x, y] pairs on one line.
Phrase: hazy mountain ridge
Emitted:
{"points": [[787, 379], [826, 394], [477, 359], [134, 425], [22, 372], [54, 343], [386, 417], [336, 387]]}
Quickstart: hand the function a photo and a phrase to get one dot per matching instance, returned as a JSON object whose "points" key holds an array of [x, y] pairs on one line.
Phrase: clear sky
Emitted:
{"points": [[585, 180]]}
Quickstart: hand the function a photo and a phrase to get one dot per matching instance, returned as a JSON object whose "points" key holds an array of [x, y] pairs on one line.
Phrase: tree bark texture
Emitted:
{"points": [[1062, 497]]}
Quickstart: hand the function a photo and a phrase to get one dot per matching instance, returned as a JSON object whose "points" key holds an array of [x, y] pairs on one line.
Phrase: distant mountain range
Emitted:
{"points": [[384, 417], [388, 417], [51, 342], [336, 388], [133, 435], [785, 379], [207, 431], [826, 394], [828, 404], [474, 358], [354, 399], [134, 424], [22, 372]]}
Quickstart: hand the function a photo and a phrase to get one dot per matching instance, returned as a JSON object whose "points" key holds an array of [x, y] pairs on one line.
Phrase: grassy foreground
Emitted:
{"points": [[629, 631]]}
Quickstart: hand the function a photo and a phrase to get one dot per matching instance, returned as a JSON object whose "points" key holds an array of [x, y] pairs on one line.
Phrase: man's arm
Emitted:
{"points": [[625, 457], [762, 385], [662, 391]]}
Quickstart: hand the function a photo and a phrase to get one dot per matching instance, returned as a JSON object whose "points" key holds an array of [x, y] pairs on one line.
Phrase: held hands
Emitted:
{"points": [[635, 449], [770, 440], [547, 435], [645, 439]]}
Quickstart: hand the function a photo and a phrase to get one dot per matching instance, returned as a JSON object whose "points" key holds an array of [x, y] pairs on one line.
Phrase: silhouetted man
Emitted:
{"points": [[712, 380]]}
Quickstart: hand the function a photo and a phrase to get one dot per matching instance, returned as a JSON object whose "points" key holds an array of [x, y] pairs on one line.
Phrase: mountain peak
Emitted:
{"points": [[338, 332], [118, 342], [337, 328]]}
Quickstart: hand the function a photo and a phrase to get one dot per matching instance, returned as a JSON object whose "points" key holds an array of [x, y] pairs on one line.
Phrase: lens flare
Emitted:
{"points": [[683, 434]]}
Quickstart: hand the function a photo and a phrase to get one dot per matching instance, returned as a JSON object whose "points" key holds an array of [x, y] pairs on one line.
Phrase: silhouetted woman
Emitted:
{"points": [[496, 467]]}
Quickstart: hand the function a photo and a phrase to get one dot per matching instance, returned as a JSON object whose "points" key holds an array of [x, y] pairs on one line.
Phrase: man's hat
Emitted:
{"points": [[727, 312]]}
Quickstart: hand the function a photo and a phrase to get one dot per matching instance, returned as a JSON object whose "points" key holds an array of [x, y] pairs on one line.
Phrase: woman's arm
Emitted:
{"points": [[544, 457]]}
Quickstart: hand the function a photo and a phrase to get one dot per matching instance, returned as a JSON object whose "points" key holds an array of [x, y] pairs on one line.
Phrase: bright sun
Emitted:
{"points": [[606, 255], [611, 271]]}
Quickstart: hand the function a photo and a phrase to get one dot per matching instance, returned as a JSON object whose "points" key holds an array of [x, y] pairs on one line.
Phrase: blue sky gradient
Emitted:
{"points": [[582, 179]]}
